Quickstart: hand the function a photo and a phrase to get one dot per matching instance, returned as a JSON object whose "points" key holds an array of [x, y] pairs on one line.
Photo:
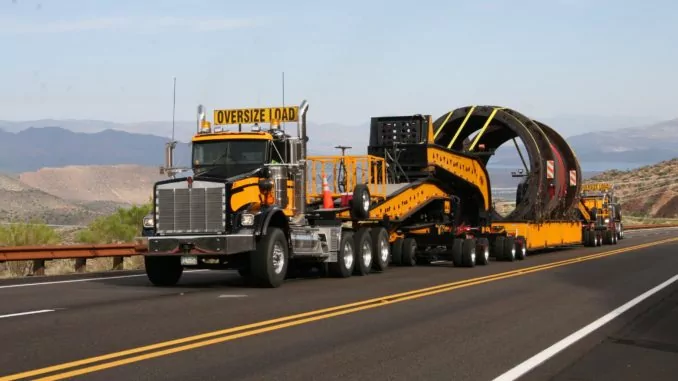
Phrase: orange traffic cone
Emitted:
{"points": [[327, 195]]}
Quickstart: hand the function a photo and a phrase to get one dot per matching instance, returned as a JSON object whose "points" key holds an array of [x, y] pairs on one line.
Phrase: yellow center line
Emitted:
{"points": [[295, 320]]}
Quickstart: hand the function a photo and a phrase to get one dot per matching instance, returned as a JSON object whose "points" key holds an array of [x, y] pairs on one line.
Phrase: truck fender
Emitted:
{"points": [[272, 216]]}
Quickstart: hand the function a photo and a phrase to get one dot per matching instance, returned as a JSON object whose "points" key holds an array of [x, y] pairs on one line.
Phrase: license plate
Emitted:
{"points": [[187, 260]]}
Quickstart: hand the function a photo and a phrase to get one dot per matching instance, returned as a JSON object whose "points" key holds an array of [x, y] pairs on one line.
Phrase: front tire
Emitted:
{"points": [[269, 262], [163, 271]]}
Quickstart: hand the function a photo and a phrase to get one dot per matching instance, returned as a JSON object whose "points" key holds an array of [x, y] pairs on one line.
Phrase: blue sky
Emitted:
{"points": [[114, 60]]}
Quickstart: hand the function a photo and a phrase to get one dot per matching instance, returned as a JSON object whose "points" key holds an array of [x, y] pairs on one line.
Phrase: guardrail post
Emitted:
{"points": [[80, 265], [39, 267], [118, 263]]}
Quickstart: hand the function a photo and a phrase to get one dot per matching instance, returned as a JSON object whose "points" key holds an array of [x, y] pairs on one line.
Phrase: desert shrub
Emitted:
{"points": [[122, 226], [26, 234]]}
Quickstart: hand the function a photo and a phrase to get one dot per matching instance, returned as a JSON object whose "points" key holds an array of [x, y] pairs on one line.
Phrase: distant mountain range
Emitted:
{"points": [[29, 146]]}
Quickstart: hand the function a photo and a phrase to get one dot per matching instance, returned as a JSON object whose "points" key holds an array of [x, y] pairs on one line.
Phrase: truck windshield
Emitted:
{"points": [[228, 158]]}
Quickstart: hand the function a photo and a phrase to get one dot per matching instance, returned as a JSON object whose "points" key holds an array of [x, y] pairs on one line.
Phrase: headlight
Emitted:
{"points": [[247, 219], [607, 220], [148, 221]]}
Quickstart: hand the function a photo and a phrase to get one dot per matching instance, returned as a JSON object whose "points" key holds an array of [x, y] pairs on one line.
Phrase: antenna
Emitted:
{"points": [[283, 95], [174, 105]]}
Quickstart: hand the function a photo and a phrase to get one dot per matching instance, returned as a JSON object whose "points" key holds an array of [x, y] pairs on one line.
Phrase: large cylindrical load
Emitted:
{"points": [[546, 191], [571, 173]]}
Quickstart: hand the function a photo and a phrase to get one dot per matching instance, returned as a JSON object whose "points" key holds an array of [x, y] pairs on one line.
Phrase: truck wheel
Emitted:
{"points": [[270, 260], [608, 237], [483, 251], [456, 251], [397, 252], [510, 249], [468, 252], [343, 267], [163, 271], [381, 249], [364, 254], [360, 203], [498, 248], [521, 248], [614, 237], [409, 253], [586, 238]]}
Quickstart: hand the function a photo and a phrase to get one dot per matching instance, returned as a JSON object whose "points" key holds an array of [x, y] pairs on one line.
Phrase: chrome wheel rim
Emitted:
{"points": [[486, 253], [348, 255], [366, 202], [384, 250], [367, 254], [278, 258]]}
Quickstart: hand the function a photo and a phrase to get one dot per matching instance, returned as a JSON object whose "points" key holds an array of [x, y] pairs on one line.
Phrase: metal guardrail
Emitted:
{"points": [[81, 253]]}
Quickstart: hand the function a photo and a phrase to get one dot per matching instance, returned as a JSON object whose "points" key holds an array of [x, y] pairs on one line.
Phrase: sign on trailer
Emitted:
{"points": [[256, 115]]}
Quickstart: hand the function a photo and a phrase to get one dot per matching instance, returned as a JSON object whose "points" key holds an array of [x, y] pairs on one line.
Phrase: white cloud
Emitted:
{"points": [[133, 24]]}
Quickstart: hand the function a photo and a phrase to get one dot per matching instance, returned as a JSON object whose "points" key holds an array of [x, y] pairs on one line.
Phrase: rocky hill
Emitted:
{"points": [[20, 202], [74, 195], [649, 191], [121, 184]]}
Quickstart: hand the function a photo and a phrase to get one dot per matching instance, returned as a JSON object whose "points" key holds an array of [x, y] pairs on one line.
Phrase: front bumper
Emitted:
{"points": [[201, 244]]}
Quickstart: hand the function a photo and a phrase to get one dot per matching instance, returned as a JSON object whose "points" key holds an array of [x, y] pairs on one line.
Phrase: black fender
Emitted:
{"points": [[273, 216]]}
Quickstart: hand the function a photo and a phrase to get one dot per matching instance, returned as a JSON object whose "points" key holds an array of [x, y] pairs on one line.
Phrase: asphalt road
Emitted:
{"points": [[482, 323]]}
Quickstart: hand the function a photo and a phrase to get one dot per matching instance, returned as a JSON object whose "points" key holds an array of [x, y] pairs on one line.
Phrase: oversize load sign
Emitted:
{"points": [[256, 115]]}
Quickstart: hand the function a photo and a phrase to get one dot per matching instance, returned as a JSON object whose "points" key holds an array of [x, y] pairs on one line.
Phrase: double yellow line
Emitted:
{"points": [[116, 359]]}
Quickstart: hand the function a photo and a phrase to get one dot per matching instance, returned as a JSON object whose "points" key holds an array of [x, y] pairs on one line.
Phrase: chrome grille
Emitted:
{"points": [[200, 209]]}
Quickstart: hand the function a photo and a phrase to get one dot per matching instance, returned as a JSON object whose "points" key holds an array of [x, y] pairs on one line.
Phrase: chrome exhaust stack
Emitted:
{"points": [[300, 181]]}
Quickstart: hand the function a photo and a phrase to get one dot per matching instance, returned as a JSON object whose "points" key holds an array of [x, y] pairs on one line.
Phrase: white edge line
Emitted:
{"points": [[551, 351], [83, 280], [25, 313]]}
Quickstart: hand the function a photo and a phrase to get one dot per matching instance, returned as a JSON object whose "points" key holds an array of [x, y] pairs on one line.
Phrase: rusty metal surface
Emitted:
{"points": [[25, 253]]}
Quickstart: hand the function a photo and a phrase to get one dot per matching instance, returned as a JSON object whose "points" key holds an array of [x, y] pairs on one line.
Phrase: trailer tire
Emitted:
{"points": [[381, 249], [586, 238], [364, 253], [483, 251], [456, 251], [498, 248], [397, 252], [510, 249], [614, 238], [163, 271], [608, 237], [343, 267], [521, 248], [361, 202], [468, 252], [409, 253], [270, 260]]}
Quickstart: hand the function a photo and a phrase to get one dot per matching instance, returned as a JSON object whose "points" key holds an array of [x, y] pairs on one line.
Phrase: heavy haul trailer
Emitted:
{"points": [[455, 150]]}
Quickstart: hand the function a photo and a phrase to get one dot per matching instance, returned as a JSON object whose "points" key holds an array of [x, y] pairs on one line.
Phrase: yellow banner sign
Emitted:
{"points": [[596, 187], [256, 115]]}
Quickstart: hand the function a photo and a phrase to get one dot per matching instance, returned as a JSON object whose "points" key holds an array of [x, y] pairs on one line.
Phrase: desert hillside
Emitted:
{"points": [[20, 202], [650, 191], [121, 184]]}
